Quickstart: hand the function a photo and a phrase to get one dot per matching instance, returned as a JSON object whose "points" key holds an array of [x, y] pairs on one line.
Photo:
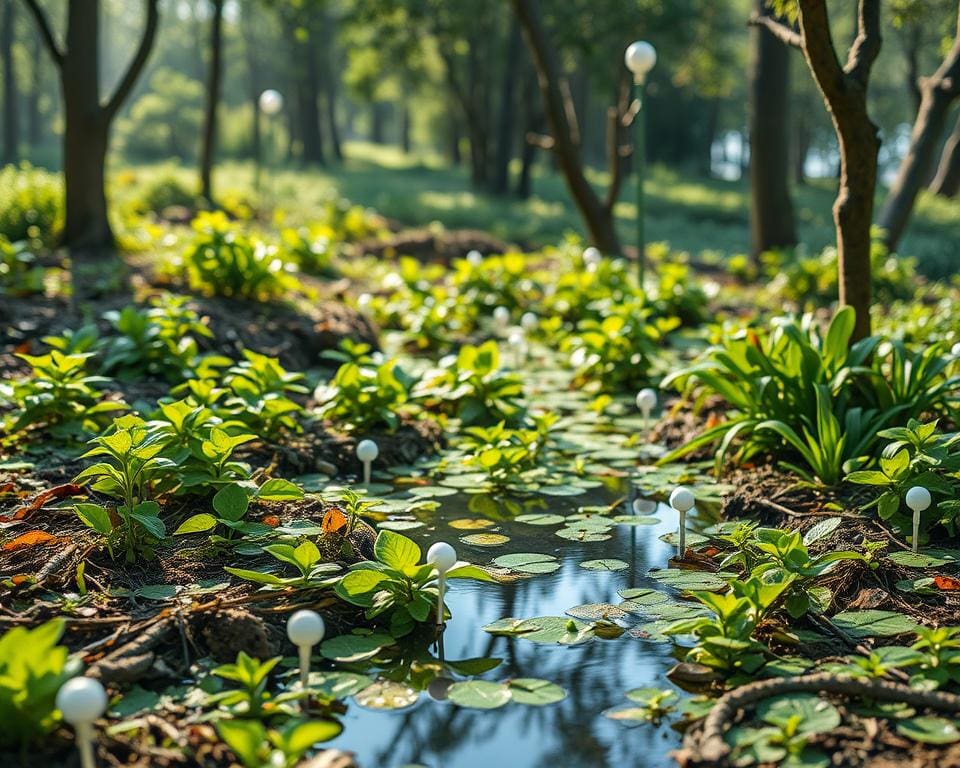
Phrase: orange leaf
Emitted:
{"points": [[712, 420], [272, 520], [42, 499], [946, 583], [334, 520], [23, 348], [29, 539]]}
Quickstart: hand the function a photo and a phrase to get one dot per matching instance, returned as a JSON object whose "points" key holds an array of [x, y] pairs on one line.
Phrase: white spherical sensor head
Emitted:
{"points": [[646, 399], [271, 102], [81, 700], [367, 450], [305, 628], [640, 57], [682, 499], [918, 498], [442, 556]]}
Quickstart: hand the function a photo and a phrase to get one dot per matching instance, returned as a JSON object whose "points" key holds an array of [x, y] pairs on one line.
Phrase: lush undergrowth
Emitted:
{"points": [[167, 470]]}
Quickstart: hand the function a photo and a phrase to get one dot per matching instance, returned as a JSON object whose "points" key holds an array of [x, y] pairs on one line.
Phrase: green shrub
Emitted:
{"points": [[32, 669], [163, 192], [816, 394], [20, 275], [223, 261], [31, 205], [365, 395]]}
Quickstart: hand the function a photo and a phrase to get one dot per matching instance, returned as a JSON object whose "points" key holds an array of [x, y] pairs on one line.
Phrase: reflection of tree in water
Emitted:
{"points": [[571, 733]]}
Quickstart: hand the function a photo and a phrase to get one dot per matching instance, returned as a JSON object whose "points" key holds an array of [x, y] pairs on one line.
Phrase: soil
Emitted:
{"points": [[435, 246]]}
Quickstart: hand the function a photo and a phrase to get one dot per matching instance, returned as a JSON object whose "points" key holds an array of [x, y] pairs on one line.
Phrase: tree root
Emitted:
{"points": [[132, 660], [713, 749]]}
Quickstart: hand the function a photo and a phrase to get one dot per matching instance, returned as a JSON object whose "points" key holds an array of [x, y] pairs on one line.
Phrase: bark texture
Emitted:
{"points": [[214, 77], [946, 183], [11, 98]]}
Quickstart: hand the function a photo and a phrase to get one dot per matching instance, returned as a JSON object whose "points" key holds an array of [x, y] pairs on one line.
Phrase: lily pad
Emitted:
{"points": [[535, 692], [479, 694], [387, 694], [597, 612], [582, 534], [635, 520], [544, 629], [528, 562], [339, 685], [400, 525], [471, 523], [691, 580], [560, 490], [347, 648], [540, 519], [485, 539], [604, 564]]}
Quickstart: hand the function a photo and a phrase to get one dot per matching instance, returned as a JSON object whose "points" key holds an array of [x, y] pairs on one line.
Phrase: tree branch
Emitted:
{"points": [[778, 29], [819, 50], [46, 33], [139, 60], [866, 47]]}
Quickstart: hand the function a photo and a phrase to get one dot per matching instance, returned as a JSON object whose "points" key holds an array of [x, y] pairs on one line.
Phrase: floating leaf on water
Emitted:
{"points": [[635, 520], [691, 580], [467, 480], [347, 648], [431, 491], [604, 564], [386, 694], [597, 612], [694, 539], [535, 692], [535, 518], [471, 523], [339, 685], [528, 562], [485, 539], [560, 490], [864, 624], [928, 729], [544, 629], [475, 666], [400, 525], [312, 482], [582, 534], [479, 694]]}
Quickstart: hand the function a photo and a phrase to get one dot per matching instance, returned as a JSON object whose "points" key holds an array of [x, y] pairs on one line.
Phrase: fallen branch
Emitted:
{"points": [[713, 749], [132, 660]]}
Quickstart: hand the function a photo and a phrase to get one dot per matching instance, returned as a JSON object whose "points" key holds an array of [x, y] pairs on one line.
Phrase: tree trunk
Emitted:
{"points": [[308, 101], [938, 94], [329, 83], [597, 216], [947, 181], [844, 90], [405, 143], [376, 122], [212, 102], [501, 171], [801, 147], [11, 112], [34, 124], [532, 124], [453, 134], [771, 210], [253, 82]]}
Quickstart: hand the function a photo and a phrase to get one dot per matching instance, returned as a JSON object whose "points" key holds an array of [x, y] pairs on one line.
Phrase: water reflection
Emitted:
{"points": [[569, 734]]}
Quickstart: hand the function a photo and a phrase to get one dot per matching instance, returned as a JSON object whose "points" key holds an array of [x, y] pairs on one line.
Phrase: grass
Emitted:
{"points": [[690, 213]]}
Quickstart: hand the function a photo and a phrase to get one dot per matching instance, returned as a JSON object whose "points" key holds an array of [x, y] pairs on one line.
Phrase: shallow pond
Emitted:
{"points": [[595, 675]]}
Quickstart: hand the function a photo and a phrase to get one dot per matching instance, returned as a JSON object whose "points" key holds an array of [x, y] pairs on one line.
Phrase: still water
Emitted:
{"points": [[573, 733]]}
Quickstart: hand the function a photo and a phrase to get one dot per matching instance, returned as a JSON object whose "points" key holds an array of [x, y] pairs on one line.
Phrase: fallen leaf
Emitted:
{"points": [[41, 500], [946, 583], [29, 539], [272, 520], [334, 520]]}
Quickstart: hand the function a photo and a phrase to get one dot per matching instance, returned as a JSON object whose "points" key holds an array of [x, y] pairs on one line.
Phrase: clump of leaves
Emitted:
{"points": [[230, 505], [503, 453], [395, 586], [158, 341], [32, 668], [20, 275], [59, 395], [363, 395], [251, 698], [260, 747], [305, 557], [917, 454], [473, 387], [223, 261], [790, 721], [257, 390]]}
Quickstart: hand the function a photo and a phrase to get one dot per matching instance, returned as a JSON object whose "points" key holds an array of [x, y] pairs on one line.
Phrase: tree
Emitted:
{"points": [[938, 93], [87, 131], [597, 213], [212, 102], [11, 111], [771, 210], [947, 181], [844, 90]]}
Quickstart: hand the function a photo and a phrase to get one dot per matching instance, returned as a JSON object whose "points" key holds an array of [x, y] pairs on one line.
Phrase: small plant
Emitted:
{"points": [[504, 454], [305, 557], [251, 699], [789, 722], [362, 396], [230, 505], [940, 651], [59, 395], [260, 747], [32, 668], [257, 390], [472, 386], [160, 341], [31, 205], [225, 262], [395, 586]]}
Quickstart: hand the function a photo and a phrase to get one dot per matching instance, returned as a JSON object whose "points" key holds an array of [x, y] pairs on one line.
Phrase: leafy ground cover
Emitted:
{"points": [[179, 475]]}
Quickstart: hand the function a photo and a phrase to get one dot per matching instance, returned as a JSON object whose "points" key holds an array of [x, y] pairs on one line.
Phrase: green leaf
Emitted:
{"points": [[479, 694], [196, 524], [231, 502], [814, 714], [256, 576], [244, 737], [277, 489], [96, 517], [396, 550], [865, 624], [536, 692], [299, 737], [350, 648], [607, 564], [528, 562], [930, 730]]}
